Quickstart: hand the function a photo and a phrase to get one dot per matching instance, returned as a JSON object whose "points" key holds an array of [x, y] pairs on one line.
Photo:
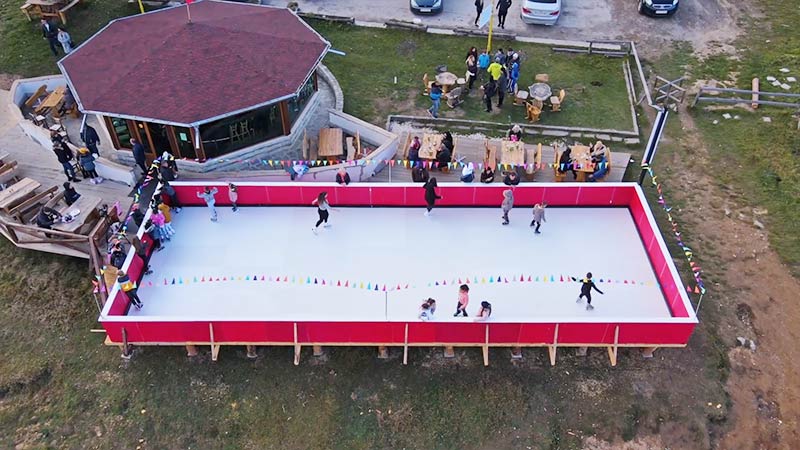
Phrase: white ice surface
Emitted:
{"points": [[391, 246]]}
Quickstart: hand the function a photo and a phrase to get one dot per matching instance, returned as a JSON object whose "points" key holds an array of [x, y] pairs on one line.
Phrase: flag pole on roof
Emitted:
{"points": [[189, 11]]}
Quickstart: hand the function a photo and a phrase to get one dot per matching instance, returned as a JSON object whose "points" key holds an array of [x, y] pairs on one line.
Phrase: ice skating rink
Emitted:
{"points": [[399, 246]]}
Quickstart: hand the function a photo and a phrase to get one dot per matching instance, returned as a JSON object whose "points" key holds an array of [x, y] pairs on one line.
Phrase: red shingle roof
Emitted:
{"points": [[158, 66]]}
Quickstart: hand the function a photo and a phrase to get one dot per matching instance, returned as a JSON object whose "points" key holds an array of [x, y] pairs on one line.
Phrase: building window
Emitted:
{"points": [[120, 129], [299, 102], [243, 130], [183, 138]]}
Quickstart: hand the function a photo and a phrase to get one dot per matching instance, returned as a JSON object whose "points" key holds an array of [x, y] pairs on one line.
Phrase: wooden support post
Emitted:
{"points": [[612, 351], [486, 348], [126, 351], [755, 93], [405, 348], [191, 351], [214, 347], [297, 347], [449, 352], [516, 352], [251, 352], [582, 351], [552, 348], [317, 350], [383, 352], [647, 352]]}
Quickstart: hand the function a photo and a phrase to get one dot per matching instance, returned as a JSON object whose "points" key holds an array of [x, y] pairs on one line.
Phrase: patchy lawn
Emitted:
{"points": [[595, 86], [24, 52]]}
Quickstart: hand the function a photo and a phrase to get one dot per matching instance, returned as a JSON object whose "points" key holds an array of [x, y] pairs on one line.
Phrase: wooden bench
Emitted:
{"points": [[8, 173], [19, 211]]}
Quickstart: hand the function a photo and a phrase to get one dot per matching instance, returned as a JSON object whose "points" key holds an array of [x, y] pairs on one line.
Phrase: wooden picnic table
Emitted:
{"points": [[17, 193], [582, 159], [48, 8], [431, 143], [512, 152], [53, 100], [86, 204], [331, 143]]}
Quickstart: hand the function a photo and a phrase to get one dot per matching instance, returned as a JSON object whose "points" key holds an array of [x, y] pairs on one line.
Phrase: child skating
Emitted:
{"points": [[538, 216], [323, 207], [430, 195], [586, 291], [233, 196], [463, 300], [508, 203], [129, 288], [208, 196]]}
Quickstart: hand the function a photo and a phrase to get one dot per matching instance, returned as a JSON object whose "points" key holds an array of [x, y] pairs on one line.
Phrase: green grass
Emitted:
{"points": [[23, 52], [596, 93]]}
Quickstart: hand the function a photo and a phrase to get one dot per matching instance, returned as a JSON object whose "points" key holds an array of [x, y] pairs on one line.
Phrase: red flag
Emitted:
{"points": [[189, 2]]}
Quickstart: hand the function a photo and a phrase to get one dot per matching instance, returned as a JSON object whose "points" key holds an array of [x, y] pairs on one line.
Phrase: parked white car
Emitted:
{"points": [[541, 12]]}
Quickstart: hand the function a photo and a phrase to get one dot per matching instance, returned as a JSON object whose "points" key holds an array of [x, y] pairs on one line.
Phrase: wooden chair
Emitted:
{"points": [[62, 13], [559, 177], [556, 101], [532, 112], [304, 145], [542, 78], [454, 97], [490, 158], [521, 97], [33, 99], [351, 149], [427, 83], [532, 156]]}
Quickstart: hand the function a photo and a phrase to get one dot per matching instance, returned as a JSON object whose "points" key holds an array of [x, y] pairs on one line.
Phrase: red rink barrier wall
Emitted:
{"points": [[673, 331]]}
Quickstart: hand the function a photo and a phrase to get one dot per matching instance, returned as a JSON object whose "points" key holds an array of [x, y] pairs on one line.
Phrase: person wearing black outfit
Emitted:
{"points": [[419, 174], [501, 87], [478, 10], [50, 33], [65, 157], [166, 175], [91, 139], [502, 12], [70, 194], [565, 163], [138, 155], [489, 89], [430, 195], [47, 217], [586, 291], [487, 176]]}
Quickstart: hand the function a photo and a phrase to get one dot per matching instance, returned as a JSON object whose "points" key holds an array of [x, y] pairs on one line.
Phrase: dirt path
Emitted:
{"points": [[758, 303]]}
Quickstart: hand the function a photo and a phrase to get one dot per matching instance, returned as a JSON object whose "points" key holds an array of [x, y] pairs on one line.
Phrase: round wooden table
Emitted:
{"points": [[446, 80], [540, 91]]}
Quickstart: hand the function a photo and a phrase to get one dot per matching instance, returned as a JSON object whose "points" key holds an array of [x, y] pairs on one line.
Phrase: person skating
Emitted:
{"points": [[430, 195], [538, 216], [425, 313], [463, 300], [586, 291], [208, 196], [485, 312], [233, 196], [129, 288], [323, 207], [508, 203]]}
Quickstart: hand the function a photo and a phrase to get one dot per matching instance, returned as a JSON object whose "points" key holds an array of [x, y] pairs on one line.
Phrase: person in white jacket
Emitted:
{"points": [[508, 203]]}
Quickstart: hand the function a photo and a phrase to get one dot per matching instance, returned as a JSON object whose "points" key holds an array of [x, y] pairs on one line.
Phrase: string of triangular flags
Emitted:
{"points": [[375, 286], [697, 271], [405, 163]]}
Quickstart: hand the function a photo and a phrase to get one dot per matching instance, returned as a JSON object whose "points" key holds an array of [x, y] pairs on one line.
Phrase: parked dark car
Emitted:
{"points": [[658, 8], [426, 6]]}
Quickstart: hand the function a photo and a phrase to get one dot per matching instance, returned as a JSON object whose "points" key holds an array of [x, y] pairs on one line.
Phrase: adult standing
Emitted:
{"points": [[478, 10], [65, 40], [513, 78], [489, 89], [91, 139], [483, 63], [167, 175], [501, 87], [65, 157], [502, 12], [472, 71], [436, 98], [430, 195], [138, 154], [50, 33]]}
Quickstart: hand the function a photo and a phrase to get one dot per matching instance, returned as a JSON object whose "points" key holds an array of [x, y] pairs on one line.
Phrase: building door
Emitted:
{"points": [[144, 137]]}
